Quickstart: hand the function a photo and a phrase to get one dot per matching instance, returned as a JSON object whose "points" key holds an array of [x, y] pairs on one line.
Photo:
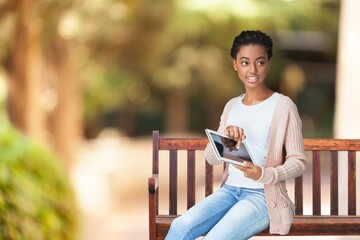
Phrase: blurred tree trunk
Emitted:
{"points": [[31, 73], [25, 73], [347, 116], [65, 121], [177, 111]]}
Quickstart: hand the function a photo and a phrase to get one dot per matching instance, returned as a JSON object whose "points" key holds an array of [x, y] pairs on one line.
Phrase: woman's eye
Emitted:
{"points": [[260, 63], [244, 63]]}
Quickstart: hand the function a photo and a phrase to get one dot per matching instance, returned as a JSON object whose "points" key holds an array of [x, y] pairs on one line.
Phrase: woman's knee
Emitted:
{"points": [[179, 224], [179, 229]]}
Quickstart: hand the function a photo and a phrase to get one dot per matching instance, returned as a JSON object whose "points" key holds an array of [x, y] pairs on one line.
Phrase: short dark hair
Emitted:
{"points": [[250, 37]]}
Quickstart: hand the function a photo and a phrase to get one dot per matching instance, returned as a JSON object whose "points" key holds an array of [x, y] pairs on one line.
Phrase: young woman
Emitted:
{"points": [[253, 197]]}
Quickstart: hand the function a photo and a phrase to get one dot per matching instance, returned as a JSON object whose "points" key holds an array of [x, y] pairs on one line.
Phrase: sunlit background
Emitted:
{"points": [[90, 80]]}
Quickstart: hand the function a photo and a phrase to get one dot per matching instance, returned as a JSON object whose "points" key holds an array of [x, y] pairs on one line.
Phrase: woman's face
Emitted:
{"points": [[252, 65]]}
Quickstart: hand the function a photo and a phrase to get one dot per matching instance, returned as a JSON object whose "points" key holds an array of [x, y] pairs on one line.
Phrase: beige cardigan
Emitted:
{"points": [[285, 133]]}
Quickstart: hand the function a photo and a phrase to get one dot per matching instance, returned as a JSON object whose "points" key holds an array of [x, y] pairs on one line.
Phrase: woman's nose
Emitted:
{"points": [[253, 68]]}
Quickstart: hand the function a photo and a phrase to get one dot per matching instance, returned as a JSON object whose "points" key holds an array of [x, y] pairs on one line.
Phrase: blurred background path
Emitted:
{"points": [[110, 177]]}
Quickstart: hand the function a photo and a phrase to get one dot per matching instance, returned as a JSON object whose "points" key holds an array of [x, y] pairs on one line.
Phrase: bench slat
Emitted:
{"points": [[209, 179], [173, 182], [334, 183], [316, 183], [191, 183], [299, 200], [352, 183]]}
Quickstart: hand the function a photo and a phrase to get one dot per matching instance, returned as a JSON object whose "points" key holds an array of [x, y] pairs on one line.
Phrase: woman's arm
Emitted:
{"points": [[295, 160]]}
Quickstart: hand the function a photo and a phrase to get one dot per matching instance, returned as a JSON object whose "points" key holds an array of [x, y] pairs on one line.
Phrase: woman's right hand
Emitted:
{"points": [[236, 133]]}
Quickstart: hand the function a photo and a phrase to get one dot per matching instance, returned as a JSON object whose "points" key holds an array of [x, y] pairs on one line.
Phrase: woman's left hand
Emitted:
{"points": [[250, 170]]}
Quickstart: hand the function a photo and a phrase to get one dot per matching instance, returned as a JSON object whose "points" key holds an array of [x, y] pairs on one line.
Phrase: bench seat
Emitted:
{"points": [[301, 226]]}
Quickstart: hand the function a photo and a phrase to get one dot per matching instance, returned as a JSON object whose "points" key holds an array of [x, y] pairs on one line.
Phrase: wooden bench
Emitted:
{"points": [[327, 158]]}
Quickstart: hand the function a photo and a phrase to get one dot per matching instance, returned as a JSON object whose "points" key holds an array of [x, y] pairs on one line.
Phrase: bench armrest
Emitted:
{"points": [[153, 183]]}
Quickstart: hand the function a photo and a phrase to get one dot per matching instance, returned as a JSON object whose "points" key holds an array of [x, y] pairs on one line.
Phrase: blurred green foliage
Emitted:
{"points": [[131, 56], [36, 199], [136, 56]]}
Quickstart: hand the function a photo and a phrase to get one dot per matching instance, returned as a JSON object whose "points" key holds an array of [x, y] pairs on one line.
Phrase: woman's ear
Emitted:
{"points": [[234, 64]]}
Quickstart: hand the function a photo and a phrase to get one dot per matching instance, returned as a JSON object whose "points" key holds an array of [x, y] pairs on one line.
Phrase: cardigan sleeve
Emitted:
{"points": [[295, 160]]}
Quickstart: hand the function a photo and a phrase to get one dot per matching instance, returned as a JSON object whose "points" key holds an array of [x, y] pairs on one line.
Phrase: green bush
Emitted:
{"points": [[36, 198]]}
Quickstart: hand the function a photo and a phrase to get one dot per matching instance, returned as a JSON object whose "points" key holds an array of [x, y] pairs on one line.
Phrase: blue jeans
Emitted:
{"points": [[229, 213]]}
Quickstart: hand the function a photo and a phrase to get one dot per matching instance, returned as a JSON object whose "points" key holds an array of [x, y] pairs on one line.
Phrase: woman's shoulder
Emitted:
{"points": [[229, 105], [286, 104], [234, 100], [286, 100]]}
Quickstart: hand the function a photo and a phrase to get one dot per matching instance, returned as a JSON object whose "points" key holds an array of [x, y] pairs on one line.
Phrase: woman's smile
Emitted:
{"points": [[252, 79]]}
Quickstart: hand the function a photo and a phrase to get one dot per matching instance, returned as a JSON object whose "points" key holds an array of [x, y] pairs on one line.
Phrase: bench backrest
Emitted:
{"points": [[327, 152]]}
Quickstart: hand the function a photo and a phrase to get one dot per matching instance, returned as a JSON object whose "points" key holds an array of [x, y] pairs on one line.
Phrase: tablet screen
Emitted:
{"points": [[226, 147]]}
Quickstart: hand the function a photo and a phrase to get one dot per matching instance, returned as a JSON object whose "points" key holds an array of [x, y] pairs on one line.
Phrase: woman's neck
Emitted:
{"points": [[255, 96]]}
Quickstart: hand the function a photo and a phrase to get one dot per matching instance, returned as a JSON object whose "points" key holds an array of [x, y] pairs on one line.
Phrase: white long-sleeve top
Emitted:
{"points": [[256, 125]]}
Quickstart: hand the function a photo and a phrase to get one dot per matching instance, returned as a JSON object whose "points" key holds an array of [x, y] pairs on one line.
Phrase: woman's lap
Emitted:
{"points": [[229, 213], [245, 219]]}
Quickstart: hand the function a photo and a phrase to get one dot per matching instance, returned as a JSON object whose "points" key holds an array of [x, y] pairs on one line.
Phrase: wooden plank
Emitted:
{"points": [[299, 203], [352, 183], [209, 179], [316, 184], [301, 226], [153, 206], [183, 143], [309, 144], [190, 178], [331, 144], [324, 226], [173, 182], [155, 165], [155, 159], [334, 183]]}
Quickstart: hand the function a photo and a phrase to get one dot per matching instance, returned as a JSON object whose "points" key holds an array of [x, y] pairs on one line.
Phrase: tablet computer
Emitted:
{"points": [[222, 145]]}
